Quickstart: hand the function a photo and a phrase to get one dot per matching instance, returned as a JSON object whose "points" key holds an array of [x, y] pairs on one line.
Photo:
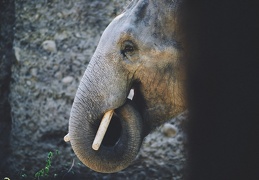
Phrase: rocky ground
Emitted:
{"points": [[53, 43]]}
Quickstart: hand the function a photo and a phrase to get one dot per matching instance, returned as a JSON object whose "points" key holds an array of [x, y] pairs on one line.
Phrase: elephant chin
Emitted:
{"points": [[120, 145]]}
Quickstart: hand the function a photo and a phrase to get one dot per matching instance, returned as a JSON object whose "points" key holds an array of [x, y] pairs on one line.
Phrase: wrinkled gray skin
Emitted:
{"points": [[139, 50]]}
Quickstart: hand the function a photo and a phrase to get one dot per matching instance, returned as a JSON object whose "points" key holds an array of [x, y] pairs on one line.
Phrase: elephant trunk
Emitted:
{"points": [[121, 143]]}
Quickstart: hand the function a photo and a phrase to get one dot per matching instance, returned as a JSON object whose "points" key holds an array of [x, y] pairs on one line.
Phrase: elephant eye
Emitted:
{"points": [[127, 48]]}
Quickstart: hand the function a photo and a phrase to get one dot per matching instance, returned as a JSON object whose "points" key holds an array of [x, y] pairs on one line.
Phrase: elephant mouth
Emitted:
{"points": [[114, 130]]}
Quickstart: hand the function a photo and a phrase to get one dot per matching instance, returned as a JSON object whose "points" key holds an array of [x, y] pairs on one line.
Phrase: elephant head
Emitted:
{"points": [[140, 50]]}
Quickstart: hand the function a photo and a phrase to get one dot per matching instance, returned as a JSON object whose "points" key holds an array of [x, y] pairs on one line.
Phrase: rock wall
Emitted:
{"points": [[53, 43]]}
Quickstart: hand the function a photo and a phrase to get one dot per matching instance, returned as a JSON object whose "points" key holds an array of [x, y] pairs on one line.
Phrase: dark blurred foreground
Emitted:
{"points": [[223, 88], [6, 59]]}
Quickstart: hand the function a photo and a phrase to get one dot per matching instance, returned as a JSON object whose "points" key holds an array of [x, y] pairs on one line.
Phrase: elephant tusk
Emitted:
{"points": [[66, 138], [102, 130], [131, 94]]}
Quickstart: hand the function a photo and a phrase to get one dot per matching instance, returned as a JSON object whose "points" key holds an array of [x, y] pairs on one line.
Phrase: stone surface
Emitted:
{"points": [[49, 45], [169, 130]]}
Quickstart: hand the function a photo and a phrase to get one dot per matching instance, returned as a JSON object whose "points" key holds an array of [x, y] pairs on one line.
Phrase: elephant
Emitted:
{"points": [[139, 51]]}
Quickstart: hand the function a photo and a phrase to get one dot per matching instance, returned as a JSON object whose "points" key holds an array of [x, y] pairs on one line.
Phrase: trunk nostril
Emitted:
{"points": [[113, 133]]}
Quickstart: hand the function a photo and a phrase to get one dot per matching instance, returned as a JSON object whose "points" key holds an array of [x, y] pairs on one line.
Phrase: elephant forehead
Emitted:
{"points": [[145, 21]]}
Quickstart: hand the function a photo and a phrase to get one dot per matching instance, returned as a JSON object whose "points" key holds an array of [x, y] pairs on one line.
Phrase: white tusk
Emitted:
{"points": [[131, 94], [66, 138], [102, 129]]}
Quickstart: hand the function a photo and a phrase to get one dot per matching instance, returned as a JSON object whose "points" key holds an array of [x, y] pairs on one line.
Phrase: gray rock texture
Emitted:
{"points": [[53, 43]]}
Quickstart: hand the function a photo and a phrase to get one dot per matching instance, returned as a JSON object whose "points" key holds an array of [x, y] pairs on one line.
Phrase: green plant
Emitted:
{"points": [[45, 171]]}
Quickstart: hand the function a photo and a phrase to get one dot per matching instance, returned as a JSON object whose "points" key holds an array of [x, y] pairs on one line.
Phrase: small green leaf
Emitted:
{"points": [[50, 154]]}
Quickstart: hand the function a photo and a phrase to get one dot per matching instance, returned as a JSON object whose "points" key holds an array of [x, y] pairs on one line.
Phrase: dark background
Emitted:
{"points": [[7, 19], [223, 84]]}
